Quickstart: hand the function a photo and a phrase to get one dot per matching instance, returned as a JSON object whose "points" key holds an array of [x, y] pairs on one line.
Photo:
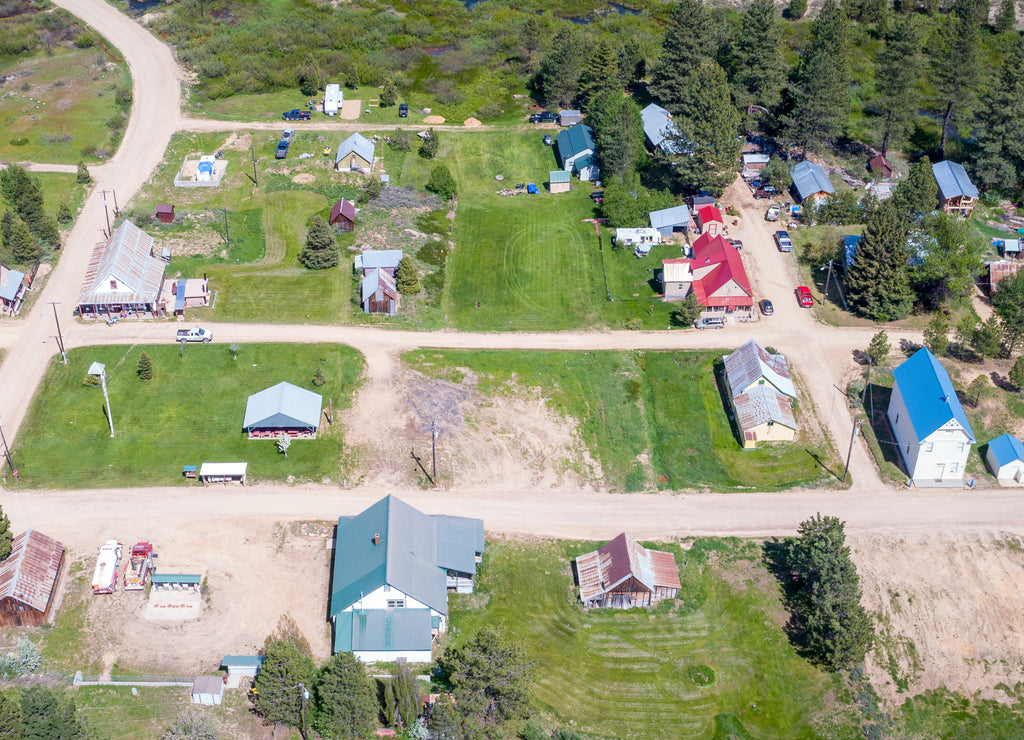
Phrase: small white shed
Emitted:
{"points": [[1005, 459], [208, 690], [239, 667]]}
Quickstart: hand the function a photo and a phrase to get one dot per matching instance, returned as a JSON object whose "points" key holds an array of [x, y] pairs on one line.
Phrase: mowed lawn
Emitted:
{"points": [[624, 674], [189, 413], [652, 419]]}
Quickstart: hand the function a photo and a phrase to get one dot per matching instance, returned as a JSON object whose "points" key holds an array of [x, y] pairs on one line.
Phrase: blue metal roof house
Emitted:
{"points": [[576, 150], [810, 182], [283, 409], [393, 569], [659, 130], [928, 422], [1005, 459], [956, 191]]}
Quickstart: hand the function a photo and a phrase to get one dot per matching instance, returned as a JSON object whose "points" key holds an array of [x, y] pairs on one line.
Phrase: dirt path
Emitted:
{"points": [[68, 169]]}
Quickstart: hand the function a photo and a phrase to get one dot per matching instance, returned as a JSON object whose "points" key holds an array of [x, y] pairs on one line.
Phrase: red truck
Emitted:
{"points": [[139, 568]]}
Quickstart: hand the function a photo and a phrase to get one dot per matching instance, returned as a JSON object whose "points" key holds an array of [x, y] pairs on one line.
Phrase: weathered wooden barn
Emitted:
{"points": [[28, 579], [623, 574], [343, 215]]}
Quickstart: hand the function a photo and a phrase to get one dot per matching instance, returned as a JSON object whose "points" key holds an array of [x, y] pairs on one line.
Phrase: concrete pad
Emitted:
{"points": [[174, 606]]}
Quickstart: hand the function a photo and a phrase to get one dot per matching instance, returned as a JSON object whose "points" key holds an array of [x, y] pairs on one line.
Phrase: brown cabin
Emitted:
{"points": [[165, 213], [28, 579], [624, 574], [881, 167], [343, 215]]}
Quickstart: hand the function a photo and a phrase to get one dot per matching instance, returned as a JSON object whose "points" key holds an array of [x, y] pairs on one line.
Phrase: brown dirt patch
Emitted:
{"points": [[434, 119], [304, 178], [950, 610], [350, 110], [471, 123], [237, 142]]}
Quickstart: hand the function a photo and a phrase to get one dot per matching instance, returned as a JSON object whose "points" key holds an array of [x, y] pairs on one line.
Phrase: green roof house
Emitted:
{"points": [[576, 151], [393, 569]]}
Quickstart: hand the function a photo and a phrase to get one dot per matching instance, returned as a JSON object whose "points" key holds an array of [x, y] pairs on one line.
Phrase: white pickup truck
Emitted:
{"points": [[195, 334]]}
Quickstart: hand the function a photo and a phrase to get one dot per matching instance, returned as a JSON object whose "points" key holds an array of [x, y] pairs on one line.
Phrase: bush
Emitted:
{"points": [[83, 177], [700, 675], [434, 252], [389, 93], [399, 141], [429, 145], [442, 182]]}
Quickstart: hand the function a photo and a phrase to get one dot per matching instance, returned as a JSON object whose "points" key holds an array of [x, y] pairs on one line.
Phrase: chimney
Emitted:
{"points": [[376, 538]]}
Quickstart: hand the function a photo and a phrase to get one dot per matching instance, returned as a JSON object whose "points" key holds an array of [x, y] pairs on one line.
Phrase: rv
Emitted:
{"points": [[333, 98]]}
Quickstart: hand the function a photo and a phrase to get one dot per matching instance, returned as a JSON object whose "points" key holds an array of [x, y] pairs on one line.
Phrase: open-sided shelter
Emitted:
{"points": [[283, 409], [28, 579], [623, 574]]}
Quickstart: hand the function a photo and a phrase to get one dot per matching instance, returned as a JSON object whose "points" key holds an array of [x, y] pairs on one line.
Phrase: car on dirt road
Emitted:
{"points": [[195, 334], [709, 322], [783, 240], [295, 114], [804, 297], [767, 309], [773, 213]]}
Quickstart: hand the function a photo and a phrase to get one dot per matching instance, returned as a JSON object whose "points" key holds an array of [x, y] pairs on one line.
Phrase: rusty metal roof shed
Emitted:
{"points": [[602, 570], [29, 574], [752, 362], [127, 258]]}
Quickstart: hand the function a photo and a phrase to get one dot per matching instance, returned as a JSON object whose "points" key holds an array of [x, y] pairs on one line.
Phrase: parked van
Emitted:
{"points": [[709, 322]]}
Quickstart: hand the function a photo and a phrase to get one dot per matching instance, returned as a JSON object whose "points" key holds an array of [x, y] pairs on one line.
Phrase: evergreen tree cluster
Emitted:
{"points": [[837, 630], [42, 713], [321, 250], [25, 228]]}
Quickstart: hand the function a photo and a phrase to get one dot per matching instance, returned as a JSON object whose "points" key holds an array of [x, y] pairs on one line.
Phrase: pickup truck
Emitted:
{"points": [[195, 335], [296, 115], [282, 149]]}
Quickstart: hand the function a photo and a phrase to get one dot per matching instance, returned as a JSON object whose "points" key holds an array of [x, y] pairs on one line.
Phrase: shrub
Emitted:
{"points": [[700, 675], [434, 252], [389, 93], [429, 145], [443, 183], [145, 368], [318, 377], [399, 141]]}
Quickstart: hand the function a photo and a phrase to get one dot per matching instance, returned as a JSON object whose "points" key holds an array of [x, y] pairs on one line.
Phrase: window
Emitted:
{"points": [[387, 588], [960, 447], [897, 418], [113, 285], [396, 603], [929, 446], [953, 467]]}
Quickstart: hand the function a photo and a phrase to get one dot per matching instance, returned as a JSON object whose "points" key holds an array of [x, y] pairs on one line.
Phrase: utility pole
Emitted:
{"points": [[433, 448], [304, 696], [60, 337], [849, 453], [105, 214], [227, 234]]}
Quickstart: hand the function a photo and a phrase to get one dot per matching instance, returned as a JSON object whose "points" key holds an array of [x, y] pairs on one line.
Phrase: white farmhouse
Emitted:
{"points": [[393, 569], [931, 429]]}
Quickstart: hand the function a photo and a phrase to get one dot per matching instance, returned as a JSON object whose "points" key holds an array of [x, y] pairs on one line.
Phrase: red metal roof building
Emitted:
{"points": [[709, 221], [719, 278], [343, 215], [623, 574], [881, 167], [28, 579]]}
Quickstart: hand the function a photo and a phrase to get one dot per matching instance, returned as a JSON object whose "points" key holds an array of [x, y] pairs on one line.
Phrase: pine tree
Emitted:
{"points": [[956, 64], [796, 9], [145, 368], [689, 40], [310, 78], [978, 389], [49, 713], [344, 701], [318, 377], [820, 98], [618, 129], [83, 177], [900, 65], [558, 78], [1006, 17], [936, 334], [877, 284], [64, 214], [760, 66], [777, 174], [321, 250], [1008, 302], [6, 535], [708, 128], [489, 676], [878, 350], [11, 724], [23, 247], [442, 182], [917, 194], [956, 255], [275, 694], [401, 698], [407, 280], [631, 62], [388, 93], [1017, 372], [429, 145], [601, 73], [998, 158]]}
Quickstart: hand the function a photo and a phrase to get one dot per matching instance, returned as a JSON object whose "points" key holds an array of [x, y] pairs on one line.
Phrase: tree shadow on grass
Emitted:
{"points": [[775, 556]]}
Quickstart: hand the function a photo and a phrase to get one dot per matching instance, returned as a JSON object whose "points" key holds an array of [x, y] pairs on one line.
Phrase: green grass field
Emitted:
{"points": [[624, 674], [60, 106], [191, 412], [662, 405]]}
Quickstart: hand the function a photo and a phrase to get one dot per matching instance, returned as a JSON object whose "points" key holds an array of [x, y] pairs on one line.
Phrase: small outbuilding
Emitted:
{"points": [[957, 193], [559, 181], [753, 163], [13, 284], [569, 117], [28, 579], [676, 278], [239, 667], [355, 154], [1005, 458], [811, 183], [223, 472], [670, 220], [709, 221], [283, 409], [880, 166], [643, 238], [343, 215], [164, 213], [208, 690], [379, 292], [624, 574]]}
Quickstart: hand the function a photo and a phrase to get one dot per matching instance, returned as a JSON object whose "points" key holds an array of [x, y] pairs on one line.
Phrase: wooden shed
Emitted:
{"points": [[559, 181], [28, 579], [624, 574], [343, 215], [165, 213]]}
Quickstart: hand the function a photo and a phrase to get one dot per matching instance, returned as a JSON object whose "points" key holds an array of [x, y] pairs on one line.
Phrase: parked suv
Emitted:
{"points": [[403, 110], [709, 322], [296, 114]]}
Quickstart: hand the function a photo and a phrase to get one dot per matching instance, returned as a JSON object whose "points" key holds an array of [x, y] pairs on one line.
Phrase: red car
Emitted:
{"points": [[803, 295]]}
